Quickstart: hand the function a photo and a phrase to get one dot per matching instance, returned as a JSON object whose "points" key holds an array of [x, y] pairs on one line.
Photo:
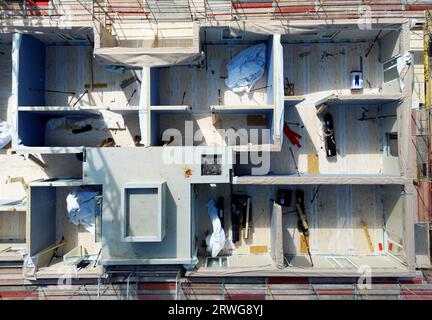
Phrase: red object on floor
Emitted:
{"points": [[390, 246], [292, 136], [380, 246]]}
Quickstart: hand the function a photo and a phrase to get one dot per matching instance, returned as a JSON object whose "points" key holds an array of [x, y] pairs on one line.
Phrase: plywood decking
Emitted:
{"points": [[336, 225], [259, 234], [209, 128], [70, 68], [326, 67], [335, 218], [12, 226], [360, 144], [65, 138], [202, 86], [17, 166]]}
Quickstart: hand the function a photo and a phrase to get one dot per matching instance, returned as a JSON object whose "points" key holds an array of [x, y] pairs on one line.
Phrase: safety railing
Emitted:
{"points": [[71, 10], [263, 289], [136, 11]]}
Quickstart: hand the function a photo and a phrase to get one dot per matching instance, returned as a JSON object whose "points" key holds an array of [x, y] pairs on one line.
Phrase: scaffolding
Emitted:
{"points": [[72, 10], [300, 289], [422, 134], [137, 11]]}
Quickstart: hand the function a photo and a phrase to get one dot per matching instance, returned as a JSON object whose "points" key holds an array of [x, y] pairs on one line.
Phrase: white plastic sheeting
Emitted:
{"points": [[246, 68], [403, 61], [5, 134], [276, 231], [81, 209], [279, 88], [217, 240]]}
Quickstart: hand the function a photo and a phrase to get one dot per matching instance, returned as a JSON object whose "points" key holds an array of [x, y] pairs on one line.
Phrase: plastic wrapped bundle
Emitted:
{"points": [[246, 68], [81, 209], [217, 240], [5, 134]]}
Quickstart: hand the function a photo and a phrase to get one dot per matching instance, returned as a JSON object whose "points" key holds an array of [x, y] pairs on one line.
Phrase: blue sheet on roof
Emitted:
{"points": [[246, 68]]}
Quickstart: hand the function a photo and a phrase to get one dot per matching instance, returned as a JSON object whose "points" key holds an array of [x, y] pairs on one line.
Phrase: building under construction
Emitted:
{"points": [[215, 149]]}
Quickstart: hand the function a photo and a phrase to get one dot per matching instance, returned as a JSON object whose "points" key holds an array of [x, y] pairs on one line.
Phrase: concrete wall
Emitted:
{"points": [[389, 46], [42, 218], [393, 213], [114, 168], [154, 87], [31, 128], [31, 72], [270, 71]]}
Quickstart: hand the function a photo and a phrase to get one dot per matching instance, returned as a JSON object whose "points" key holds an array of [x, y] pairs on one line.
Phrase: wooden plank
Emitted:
{"points": [[303, 245], [367, 235], [95, 85], [366, 211], [74, 68], [258, 249], [313, 164], [256, 120]]}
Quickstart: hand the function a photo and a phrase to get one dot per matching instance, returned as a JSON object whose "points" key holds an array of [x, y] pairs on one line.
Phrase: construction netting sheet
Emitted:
{"points": [[137, 57], [107, 52]]}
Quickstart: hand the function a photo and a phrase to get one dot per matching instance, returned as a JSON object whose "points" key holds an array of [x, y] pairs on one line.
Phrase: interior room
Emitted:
{"points": [[65, 229], [328, 61], [12, 231], [45, 127], [202, 86], [200, 93], [347, 122], [217, 129], [251, 249], [60, 70], [364, 137], [369, 219]]}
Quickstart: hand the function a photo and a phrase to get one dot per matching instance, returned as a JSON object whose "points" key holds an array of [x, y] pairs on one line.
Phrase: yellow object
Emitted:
{"points": [[258, 249], [303, 244], [367, 235], [313, 164]]}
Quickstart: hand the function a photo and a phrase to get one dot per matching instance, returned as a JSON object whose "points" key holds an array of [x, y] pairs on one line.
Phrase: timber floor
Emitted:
{"points": [[201, 88], [12, 226], [73, 235], [362, 146], [213, 134], [71, 68], [259, 234], [326, 67], [60, 137], [349, 224]]}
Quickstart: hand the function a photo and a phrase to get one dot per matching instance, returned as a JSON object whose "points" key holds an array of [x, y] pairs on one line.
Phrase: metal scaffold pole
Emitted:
{"points": [[427, 106]]}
